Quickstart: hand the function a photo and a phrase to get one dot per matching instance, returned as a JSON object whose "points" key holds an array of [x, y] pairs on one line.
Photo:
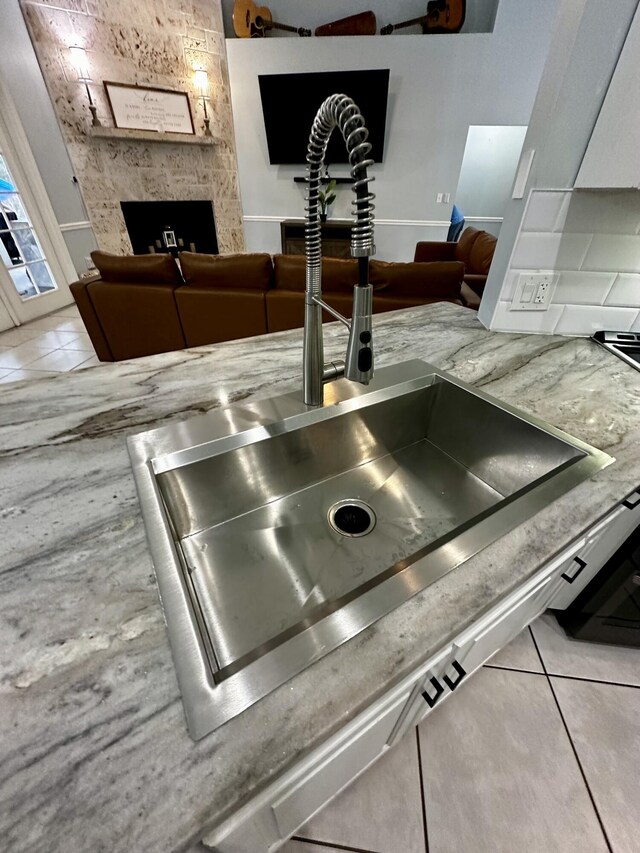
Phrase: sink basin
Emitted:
{"points": [[279, 532]]}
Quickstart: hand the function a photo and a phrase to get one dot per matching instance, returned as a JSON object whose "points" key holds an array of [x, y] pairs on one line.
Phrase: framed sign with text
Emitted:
{"points": [[146, 108]]}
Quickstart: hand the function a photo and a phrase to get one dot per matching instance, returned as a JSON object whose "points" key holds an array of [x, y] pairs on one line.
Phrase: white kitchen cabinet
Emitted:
{"points": [[602, 541], [612, 158]]}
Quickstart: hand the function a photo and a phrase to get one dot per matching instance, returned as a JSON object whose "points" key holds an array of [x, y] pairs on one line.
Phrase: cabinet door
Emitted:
{"points": [[300, 803], [482, 640], [602, 543], [611, 158]]}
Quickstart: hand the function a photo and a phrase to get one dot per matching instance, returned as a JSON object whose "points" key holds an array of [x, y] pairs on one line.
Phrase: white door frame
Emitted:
{"points": [[22, 165]]}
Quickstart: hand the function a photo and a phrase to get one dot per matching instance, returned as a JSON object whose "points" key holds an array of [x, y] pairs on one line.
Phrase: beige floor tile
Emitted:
{"points": [[14, 337], [26, 373], [92, 361], [604, 723], [380, 811], [305, 847], [563, 655], [56, 339], [500, 774], [4, 373], [59, 361], [23, 354], [70, 311], [83, 342], [519, 654], [57, 324]]}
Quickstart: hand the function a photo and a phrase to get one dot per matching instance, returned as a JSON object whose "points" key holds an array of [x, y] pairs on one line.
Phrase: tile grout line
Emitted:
{"points": [[565, 677], [422, 795], [329, 846], [573, 746]]}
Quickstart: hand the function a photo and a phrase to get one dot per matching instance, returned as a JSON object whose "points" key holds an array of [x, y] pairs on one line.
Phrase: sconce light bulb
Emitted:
{"points": [[80, 62], [202, 81]]}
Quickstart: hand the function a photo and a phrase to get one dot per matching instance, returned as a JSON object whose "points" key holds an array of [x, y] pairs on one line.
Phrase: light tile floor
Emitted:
{"points": [[539, 752], [53, 344]]}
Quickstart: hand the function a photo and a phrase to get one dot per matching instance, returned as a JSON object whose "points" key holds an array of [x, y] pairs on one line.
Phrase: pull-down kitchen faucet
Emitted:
{"points": [[338, 111]]}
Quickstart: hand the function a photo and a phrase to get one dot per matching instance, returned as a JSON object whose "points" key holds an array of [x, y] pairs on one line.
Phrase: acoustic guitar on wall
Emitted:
{"points": [[251, 21], [443, 16]]}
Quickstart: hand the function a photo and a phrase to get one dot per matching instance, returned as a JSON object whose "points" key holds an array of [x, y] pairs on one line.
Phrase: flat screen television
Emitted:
{"points": [[291, 101]]}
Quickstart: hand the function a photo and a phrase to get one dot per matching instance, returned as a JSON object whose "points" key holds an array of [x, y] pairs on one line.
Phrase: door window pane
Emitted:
{"points": [[41, 276], [22, 282], [27, 244], [13, 208], [20, 249]]}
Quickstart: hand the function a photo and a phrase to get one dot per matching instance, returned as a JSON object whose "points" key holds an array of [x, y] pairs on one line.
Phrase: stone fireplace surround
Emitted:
{"points": [[149, 42]]}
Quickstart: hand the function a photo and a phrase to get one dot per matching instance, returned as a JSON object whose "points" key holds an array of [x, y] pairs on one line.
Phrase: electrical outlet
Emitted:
{"points": [[447, 198], [439, 198], [533, 291]]}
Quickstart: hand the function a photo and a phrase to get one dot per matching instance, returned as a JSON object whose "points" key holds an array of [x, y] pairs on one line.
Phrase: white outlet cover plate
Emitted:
{"points": [[534, 291]]}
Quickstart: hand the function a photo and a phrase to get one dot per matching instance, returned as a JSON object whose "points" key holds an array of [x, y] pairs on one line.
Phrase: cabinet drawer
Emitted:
{"points": [[337, 771]]}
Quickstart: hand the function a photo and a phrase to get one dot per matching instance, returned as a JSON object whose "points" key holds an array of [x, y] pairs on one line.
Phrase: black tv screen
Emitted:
{"points": [[291, 101]]}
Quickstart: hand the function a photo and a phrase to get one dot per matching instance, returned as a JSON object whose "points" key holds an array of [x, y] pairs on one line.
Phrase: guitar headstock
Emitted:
{"points": [[387, 30], [305, 33]]}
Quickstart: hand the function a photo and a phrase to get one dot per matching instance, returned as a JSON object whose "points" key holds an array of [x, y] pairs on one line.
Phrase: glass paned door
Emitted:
{"points": [[20, 249]]}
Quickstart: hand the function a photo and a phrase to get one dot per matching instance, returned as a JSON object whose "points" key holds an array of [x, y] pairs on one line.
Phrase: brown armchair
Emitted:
{"points": [[474, 249]]}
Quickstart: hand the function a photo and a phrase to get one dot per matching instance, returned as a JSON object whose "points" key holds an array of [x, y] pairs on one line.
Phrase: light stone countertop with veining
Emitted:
{"points": [[94, 750]]}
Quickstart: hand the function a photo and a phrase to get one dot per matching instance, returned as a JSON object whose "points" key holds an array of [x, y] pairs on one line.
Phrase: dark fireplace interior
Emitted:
{"points": [[170, 226]]}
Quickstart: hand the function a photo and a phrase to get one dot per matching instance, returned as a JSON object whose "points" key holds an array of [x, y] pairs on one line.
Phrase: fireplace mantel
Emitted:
{"points": [[151, 136]]}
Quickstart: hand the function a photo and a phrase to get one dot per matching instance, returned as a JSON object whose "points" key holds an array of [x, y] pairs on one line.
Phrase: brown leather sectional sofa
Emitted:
{"points": [[146, 304], [474, 249]]}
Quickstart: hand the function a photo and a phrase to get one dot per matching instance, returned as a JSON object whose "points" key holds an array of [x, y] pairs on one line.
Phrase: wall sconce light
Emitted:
{"points": [[79, 59], [201, 79]]}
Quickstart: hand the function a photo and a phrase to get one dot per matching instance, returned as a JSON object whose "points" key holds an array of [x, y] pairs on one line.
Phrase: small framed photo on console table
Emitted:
{"points": [[146, 108]]}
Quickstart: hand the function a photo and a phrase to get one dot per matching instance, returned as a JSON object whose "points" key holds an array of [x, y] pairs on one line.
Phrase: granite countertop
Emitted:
{"points": [[94, 750]]}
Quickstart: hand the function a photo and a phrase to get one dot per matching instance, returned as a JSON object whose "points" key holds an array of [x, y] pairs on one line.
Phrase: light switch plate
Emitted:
{"points": [[534, 291]]}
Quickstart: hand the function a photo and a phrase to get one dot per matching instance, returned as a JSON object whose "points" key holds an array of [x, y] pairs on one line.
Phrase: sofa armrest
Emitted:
{"points": [[90, 318], [476, 282], [435, 251]]}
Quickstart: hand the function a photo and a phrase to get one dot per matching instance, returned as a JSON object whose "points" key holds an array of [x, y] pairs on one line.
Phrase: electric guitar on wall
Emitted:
{"points": [[443, 16], [251, 21]]}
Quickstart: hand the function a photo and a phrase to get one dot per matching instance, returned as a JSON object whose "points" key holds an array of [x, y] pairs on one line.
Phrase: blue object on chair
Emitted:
{"points": [[456, 226]]}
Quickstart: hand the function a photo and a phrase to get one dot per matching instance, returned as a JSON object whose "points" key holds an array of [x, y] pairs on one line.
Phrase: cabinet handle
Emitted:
{"points": [[571, 578], [460, 675], [431, 700], [632, 504]]}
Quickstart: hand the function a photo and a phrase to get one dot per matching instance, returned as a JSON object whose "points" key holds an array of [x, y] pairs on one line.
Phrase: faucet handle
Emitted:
{"points": [[359, 362]]}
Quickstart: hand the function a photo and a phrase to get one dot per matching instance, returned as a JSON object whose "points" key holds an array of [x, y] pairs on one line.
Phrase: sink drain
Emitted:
{"points": [[352, 518]]}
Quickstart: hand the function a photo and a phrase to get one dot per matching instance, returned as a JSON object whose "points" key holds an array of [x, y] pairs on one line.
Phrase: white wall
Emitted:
{"points": [[438, 87], [489, 165], [20, 72], [581, 61]]}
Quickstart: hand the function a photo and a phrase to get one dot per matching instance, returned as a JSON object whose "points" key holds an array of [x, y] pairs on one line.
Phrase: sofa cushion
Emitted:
{"points": [[338, 274], [481, 253], [209, 315], [465, 244], [137, 269], [137, 320], [423, 280], [252, 271]]}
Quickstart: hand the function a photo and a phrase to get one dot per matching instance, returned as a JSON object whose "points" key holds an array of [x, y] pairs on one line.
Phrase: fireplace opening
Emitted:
{"points": [[170, 226]]}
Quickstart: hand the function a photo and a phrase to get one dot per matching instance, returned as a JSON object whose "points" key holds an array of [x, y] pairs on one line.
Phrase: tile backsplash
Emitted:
{"points": [[591, 240]]}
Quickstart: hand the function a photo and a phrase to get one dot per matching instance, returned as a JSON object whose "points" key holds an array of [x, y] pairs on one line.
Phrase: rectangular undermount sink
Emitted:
{"points": [[279, 532]]}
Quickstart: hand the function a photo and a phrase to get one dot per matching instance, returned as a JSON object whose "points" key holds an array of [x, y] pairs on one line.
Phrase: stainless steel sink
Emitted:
{"points": [[279, 532]]}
